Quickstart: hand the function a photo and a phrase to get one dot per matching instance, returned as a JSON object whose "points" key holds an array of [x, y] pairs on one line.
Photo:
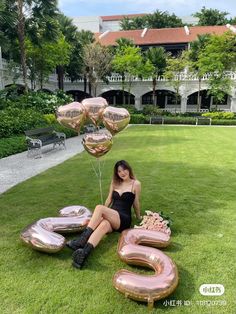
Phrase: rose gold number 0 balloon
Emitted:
{"points": [[132, 249]]}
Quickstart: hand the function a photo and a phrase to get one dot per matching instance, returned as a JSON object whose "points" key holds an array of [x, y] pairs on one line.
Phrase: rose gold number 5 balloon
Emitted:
{"points": [[132, 249]]}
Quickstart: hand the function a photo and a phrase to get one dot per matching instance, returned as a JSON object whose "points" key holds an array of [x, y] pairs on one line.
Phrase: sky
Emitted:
{"points": [[73, 8]]}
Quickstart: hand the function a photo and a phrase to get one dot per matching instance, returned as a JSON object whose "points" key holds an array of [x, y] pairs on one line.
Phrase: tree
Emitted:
{"points": [[219, 56], [76, 65], [157, 57], [211, 17], [43, 59], [161, 19], [4, 20], [97, 63], [23, 13], [174, 69], [158, 19], [196, 47], [130, 61], [121, 44], [232, 20]]}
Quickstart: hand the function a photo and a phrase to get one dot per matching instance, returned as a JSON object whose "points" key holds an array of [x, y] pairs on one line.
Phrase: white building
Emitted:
{"points": [[112, 22]]}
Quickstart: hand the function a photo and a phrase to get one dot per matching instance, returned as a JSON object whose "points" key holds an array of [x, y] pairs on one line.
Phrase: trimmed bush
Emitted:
{"points": [[139, 119], [151, 110], [223, 122], [15, 121], [69, 132], [12, 145], [50, 118], [40, 101], [179, 120], [219, 115]]}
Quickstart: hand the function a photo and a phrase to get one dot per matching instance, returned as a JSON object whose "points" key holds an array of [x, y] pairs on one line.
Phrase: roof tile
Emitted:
{"points": [[161, 36]]}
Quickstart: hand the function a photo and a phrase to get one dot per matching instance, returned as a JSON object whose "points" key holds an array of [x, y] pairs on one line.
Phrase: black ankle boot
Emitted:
{"points": [[80, 255], [81, 240]]}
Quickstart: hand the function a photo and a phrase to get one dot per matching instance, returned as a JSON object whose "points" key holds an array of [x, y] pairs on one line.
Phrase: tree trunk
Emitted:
{"points": [[123, 88], [85, 83], [60, 77], [130, 82], [154, 82], [198, 95], [41, 79], [21, 38]]}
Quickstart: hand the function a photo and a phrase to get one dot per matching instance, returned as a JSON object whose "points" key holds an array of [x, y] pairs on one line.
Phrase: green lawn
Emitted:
{"points": [[187, 172]]}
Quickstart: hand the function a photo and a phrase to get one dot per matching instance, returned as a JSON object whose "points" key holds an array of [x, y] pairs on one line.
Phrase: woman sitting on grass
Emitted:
{"points": [[115, 215]]}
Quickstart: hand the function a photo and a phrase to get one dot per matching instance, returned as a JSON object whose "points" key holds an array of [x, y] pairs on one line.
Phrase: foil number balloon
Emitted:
{"points": [[42, 235], [132, 249]]}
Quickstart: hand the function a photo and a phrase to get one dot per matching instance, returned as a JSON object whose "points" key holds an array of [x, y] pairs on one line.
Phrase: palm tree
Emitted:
{"points": [[122, 43], [195, 49], [125, 24], [69, 30], [157, 57], [84, 38], [23, 12], [5, 19]]}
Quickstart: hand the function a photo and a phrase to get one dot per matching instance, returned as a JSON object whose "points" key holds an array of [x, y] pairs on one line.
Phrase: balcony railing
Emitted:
{"points": [[115, 77]]}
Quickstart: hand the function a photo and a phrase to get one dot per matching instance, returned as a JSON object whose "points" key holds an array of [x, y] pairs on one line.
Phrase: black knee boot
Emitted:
{"points": [[81, 240], [80, 255]]}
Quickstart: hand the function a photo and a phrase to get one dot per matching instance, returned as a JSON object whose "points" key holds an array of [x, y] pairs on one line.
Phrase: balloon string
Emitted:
{"points": [[94, 169], [98, 173], [100, 178]]}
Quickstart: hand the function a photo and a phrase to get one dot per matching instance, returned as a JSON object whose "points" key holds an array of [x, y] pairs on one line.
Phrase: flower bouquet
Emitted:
{"points": [[155, 221]]}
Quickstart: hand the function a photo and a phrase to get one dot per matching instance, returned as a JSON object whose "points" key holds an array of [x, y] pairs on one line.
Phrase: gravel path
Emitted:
{"points": [[18, 168]]}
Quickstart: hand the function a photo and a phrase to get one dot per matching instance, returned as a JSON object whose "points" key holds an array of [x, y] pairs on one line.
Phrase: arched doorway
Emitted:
{"points": [[163, 98], [115, 97], [78, 95], [205, 100]]}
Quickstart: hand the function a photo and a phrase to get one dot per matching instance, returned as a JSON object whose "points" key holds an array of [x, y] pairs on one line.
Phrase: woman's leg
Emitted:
{"points": [[103, 212], [103, 228], [80, 255], [100, 213]]}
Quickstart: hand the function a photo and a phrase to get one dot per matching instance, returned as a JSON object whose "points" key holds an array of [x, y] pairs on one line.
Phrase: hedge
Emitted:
{"points": [[12, 145]]}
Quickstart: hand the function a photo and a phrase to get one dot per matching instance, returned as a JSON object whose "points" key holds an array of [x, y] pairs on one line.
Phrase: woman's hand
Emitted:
{"points": [[139, 218]]}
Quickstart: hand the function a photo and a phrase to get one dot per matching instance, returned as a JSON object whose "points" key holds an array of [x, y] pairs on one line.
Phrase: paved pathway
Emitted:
{"points": [[17, 168]]}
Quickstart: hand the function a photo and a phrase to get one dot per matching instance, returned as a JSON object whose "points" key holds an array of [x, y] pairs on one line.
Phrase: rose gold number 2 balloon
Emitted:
{"points": [[42, 235], [132, 249]]}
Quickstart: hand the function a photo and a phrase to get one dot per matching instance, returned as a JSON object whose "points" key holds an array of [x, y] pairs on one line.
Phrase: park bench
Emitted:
{"points": [[89, 128], [37, 138], [156, 120], [203, 121]]}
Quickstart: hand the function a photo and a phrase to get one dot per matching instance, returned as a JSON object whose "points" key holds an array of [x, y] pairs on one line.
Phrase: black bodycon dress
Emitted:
{"points": [[122, 204]]}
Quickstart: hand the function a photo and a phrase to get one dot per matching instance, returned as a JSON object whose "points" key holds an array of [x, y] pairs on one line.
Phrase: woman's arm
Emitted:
{"points": [[109, 197], [136, 205]]}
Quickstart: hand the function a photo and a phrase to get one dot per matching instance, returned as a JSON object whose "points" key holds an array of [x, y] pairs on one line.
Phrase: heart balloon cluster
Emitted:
{"points": [[95, 110]]}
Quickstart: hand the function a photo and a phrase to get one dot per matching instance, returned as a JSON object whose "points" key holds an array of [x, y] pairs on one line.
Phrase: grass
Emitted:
{"points": [[187, 172]]}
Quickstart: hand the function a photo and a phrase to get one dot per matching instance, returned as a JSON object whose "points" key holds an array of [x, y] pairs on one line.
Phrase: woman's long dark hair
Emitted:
{"points": [[125, 165]]}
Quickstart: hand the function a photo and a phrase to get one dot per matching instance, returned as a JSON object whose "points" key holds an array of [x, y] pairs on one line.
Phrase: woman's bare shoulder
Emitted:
{"points": [[137, 183]]}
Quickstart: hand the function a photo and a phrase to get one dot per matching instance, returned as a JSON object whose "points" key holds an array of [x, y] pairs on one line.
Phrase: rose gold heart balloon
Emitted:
{"points": [[115, 119], [71, 116], [94, 108], [97, 144]]}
